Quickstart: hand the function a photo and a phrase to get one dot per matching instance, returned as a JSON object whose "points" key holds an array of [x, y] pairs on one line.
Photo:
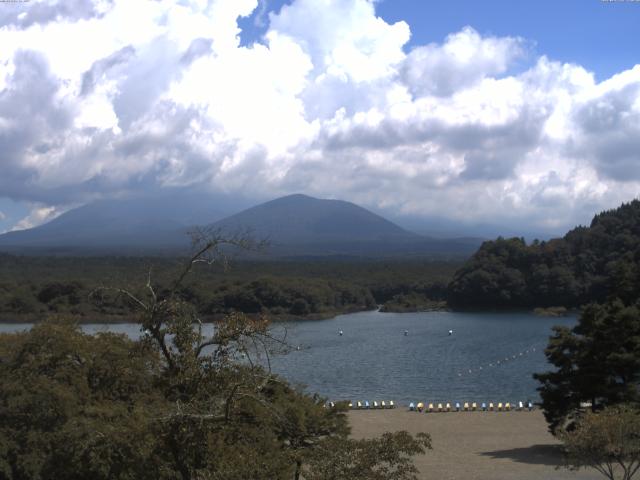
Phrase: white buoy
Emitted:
{"points": [[450, 332], [340, 332], [406, 332]]}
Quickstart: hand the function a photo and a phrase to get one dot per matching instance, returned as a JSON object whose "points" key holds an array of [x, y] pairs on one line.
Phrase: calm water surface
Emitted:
{"points": [[375, 360]]}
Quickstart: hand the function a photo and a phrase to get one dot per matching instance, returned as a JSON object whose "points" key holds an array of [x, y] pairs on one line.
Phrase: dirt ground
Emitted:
{"points": [[476, 445]]}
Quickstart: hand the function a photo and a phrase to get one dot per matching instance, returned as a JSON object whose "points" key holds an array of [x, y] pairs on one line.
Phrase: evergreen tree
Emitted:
{"points": [[597, 361]]}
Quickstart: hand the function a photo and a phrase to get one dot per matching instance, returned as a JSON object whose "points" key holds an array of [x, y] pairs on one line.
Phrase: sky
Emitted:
{"points": [[524, 114]]}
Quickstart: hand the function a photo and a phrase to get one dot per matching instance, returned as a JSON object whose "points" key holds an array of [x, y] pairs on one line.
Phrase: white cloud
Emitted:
{"points": [[37, 216], [461, 61], [331, 103]]}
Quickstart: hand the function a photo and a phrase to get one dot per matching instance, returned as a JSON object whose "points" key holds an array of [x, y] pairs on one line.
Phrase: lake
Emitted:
{"points": [[489, 356]]}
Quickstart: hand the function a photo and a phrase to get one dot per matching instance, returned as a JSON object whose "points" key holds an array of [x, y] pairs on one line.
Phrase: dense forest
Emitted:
{"points": [[589, 264], [33, 287], [174, 404]]}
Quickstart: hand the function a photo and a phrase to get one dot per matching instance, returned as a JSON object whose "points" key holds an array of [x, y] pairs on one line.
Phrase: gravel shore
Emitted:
{"points": [[476, 445]]}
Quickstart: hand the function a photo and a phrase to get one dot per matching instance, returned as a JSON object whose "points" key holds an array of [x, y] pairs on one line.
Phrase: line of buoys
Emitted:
{"points": [[471, 407], [497, 362]]}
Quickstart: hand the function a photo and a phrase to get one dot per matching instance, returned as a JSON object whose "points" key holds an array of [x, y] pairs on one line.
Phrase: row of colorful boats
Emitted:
{"points": [[443, 407], [471, 407], [366, 405]]}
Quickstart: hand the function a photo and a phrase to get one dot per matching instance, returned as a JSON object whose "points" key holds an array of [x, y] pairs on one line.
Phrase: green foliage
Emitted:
{"points": [[608, 441], [31, 287], [587, 264], [75, 406], [597, 362], [178, 403], [412, 302], [384, 458]]}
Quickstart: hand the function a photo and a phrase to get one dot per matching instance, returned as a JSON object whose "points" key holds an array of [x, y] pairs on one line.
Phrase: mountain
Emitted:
{"points": [[129, 225], [301, 225], [295, 225]]}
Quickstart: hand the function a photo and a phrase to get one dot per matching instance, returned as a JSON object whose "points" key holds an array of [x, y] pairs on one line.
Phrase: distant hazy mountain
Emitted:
{"points": [[129, 225], [296, 225], [302, 225]]}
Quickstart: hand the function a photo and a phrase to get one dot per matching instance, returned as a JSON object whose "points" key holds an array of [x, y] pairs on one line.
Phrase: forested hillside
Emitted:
{"points": [[33, 287], [589, 264]]}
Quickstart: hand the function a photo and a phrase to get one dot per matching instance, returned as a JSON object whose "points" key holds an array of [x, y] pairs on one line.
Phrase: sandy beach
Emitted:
{"points": [[476, 445]]}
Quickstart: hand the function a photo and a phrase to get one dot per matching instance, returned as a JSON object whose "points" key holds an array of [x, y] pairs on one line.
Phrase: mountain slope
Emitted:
{"points": [[302, 225], [296, 225], [139, 223], [302, 219]]}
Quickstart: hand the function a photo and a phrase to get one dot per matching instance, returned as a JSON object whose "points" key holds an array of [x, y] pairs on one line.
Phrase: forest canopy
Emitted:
{"points": [[589, 264]]}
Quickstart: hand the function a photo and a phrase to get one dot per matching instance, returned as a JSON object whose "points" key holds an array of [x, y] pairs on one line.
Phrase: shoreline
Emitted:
{"points": [[513, 445], [275, 318]]}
